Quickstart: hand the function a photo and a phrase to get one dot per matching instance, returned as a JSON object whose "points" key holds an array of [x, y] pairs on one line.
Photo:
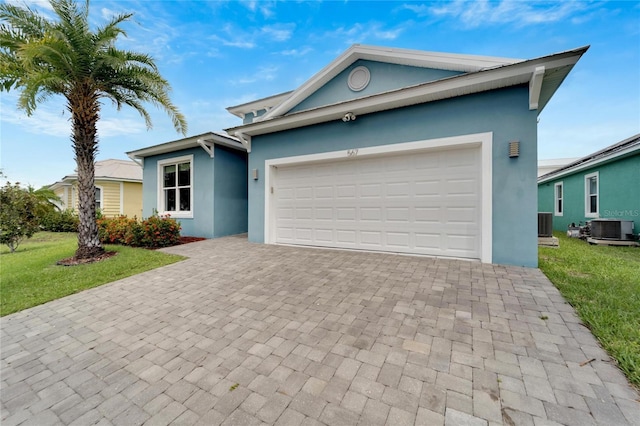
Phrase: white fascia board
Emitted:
{"points": [[258, 105], [417, 58], [535, 87], [190, 142], [592, 163], [460, 85]]}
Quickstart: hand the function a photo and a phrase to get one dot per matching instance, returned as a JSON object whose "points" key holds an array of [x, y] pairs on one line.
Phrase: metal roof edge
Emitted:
{"points": [[611, 152]]}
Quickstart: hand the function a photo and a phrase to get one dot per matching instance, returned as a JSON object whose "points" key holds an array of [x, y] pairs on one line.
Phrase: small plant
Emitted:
{"points": [[234, 387], [544, 317]]}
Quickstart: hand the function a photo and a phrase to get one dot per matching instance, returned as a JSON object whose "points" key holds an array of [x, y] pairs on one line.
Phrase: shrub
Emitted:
{"points": [[18, 218], [60, 221], [153, 232], [118, 230], [159, 231]]}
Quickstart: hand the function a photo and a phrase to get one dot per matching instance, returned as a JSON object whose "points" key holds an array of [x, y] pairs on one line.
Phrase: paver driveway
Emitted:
{"points": [[248, 334]]}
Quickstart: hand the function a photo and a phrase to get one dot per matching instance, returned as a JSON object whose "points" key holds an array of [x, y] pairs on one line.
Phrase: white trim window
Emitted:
{"points": [[592, 195], [99, 192], [175, 186], [558, 194]]}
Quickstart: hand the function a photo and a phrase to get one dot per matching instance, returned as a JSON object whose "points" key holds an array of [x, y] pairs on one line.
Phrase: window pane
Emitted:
{"points": [[593, 204], [169, 176], [559, 189], [170, 200], [98, 206], [593, 185], [184, 174], [559, 206], [185, 199]]}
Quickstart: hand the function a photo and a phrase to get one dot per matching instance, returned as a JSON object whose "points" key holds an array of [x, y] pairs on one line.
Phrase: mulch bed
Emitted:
{"points": [[187, 240], [72, 261]]}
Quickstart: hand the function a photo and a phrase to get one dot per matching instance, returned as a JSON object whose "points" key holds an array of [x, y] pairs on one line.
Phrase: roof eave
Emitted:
{"points": [[186, 143], [258, 105], [594, 159], [437, 60], [463, 84]]}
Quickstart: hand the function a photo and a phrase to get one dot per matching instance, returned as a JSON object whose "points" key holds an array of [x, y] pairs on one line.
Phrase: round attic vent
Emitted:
{"points": [[359, 78]]}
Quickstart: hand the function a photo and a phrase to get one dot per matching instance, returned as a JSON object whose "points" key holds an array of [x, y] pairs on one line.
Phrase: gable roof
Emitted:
{"points": [[544, 75], [415, 58], [204, 140], [629, 146], [111, 169]]}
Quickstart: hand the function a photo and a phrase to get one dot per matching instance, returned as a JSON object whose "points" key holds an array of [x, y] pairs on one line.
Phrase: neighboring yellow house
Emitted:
{"points": [[118, 188]]}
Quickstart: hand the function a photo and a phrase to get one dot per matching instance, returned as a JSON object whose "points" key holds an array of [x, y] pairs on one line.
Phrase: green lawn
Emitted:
{"points": [[603, 285], [30, 276]]}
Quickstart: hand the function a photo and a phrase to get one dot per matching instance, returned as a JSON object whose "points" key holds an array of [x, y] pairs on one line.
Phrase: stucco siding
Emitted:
{"points": [[201, 225], [618, 192], [383, 77], [132, 199], [230, 201], [504, 112]]}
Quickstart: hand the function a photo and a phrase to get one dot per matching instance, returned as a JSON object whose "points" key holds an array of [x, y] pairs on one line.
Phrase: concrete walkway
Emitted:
{"points": [[244, 334]]}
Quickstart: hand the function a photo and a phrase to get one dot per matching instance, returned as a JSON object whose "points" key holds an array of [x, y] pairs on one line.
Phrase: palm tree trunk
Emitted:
{"points": [[85, 110]]}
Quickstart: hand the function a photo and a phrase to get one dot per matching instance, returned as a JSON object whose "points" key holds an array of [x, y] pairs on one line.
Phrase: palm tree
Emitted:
{"points": [[42, 57]]}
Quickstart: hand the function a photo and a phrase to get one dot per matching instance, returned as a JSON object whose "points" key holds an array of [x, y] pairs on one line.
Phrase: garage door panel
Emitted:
{"points": [[346, 191], [370, 214], [371, 190], [398, 214], [424, 203], [347, 237], [322, 192], [373, 239]]}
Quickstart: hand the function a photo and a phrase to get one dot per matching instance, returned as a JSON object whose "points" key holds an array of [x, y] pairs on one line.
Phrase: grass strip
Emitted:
{"points": [[603, 285]]}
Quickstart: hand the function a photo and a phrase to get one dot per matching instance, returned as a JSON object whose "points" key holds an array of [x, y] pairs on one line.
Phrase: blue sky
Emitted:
{"points": [[217, 54]]}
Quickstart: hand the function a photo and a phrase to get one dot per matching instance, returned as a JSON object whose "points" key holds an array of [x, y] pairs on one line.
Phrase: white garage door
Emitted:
{"points": [[425, 202]]}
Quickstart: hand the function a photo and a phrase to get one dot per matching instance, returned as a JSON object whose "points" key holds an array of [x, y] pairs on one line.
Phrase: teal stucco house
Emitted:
{"points": [[384, 149], [602, 185]]}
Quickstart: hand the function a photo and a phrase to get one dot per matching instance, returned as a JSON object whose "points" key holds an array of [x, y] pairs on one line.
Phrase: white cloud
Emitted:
{"points": [[263, 6], [358, 33], [473, 14], [52, 122], [263, 73], [40, 4], [280, 32], [241, 44], [297, 52]]}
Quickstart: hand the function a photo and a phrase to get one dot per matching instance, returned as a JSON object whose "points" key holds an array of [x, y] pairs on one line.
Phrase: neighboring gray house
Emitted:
{"points": [[396, 150]]}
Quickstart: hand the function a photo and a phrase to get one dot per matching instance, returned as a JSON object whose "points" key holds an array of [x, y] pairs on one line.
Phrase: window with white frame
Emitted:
{"points": [[98, 193], [559, 196], [591, 191], [175, 186]]}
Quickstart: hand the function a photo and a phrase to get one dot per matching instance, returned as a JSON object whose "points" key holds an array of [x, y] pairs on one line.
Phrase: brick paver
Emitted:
{"points": [[243, 333]]}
